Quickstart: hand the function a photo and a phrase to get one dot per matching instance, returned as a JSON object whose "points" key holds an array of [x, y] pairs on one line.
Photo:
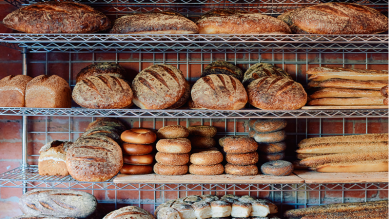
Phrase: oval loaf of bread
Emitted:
{"points": [[129, 212], [222, 67], [259, 70], [101, 68]]}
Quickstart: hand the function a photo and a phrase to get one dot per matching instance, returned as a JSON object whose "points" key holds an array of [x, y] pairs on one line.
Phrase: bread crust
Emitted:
{"points": [[242, 159], [248, 170], [355, 167], [107, 121], [170, 169], [259, 70], [13, 90], [268, 137], [222, 67], [139, 136], [202, 142], [347, 71], [178, 145], [347, 83], [203, 130], [349, 138], [136, 169], [57, 17], [172, 159], [372, 214], [353, 101], [277, 168], [101, 68], [385, 91], [216, 169], [267, 125], [129, 212], [52, 158], [239, 145], [345, 147], [206, 158], [344, 92], [145, 159], [173, 131]]}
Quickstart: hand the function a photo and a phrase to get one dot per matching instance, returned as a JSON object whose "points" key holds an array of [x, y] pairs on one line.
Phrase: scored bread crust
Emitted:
{"points": [[227, 21], [13, 90], [101, 68], [351, 138], [107, 121], [216, 169], [348, 101], [259, 70], [344, 92], [345, 147], [347, 83], [184, 99], [57, 17], [355, 167], [129, 212], [223, 67]]}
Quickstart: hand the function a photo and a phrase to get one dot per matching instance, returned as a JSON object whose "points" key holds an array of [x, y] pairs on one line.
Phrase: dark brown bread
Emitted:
{"points": [[129, 212], [48, 92], [102, 68], [57, 17], [222, 92], [94, 159], [385, 91], [259, 70], [276, 93], [222, 67], [158, 87], [13, 90], [103, 92], [154, 23], [107, 121], [58, 203], [336, 18], [227, 21]]}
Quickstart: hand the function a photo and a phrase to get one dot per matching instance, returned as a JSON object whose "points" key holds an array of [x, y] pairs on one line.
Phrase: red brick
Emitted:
{"points": [[10, 150], [10, 130], [9, 209], [6, 192]]}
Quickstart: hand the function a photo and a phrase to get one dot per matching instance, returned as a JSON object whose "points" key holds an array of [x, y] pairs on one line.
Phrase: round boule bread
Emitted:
{"points": [[206, 158], [101, 68], [259, 70], [248, 170], [129, 212], [158, 87], [215, 169], [176, 146], [219, 92], [202, 142], [223, 67], [103, 92], [107, 121], [242, 159], [184, 99], [172, 159], [239, 145], [108, 131], [203, 130], [267, 125], [268, 137], [276, 93], [162, 169], [173, 131], [270, 148]]}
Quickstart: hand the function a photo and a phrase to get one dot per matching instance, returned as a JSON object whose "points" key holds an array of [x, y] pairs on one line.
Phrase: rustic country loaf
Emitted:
{"points": [[57, 17], [158, 87], [52, 158], [276, 93], [107, 121], [108, 131], [101, 68], [219, 92], [13, 90], [103, 92], [184, 99], [222, 67], [129, 212], [58, 203], [154, 23], [227, 21], [336, 18], [259, 70], [48, 92]]}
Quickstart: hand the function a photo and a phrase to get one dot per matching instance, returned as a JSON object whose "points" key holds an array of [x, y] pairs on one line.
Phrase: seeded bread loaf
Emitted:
{"points": [[259, 70], [13, 90], [129, 212], [101, 68], [222, 67], [107, 121]]}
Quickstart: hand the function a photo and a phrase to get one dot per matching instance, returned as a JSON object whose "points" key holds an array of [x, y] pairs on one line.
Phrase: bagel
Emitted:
{"points": [[162, 169], [242, 159], [173, 131], [146, 159], [172, 159], [176, 146], [277, 168], [203, 130], [249, 170], [137, 149], [139, 136], [239, 145], [206, 158], [216, 169]]}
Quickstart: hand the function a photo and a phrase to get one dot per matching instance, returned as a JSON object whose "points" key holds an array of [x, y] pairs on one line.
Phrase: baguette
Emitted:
{"points": [[304, 156], [379, 213], [344, 92], [347, 83], [359, 101], [350, 138], [355, 167], [345, 147], [346, 157], [385, 91], [349, 75], [319, 70]]}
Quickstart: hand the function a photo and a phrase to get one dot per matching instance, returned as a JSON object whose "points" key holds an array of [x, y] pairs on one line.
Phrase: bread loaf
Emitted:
{"points": [[48, 92], [353, 101], [336, 18], [40, 217], [222, 67], [349, 138], [184, 99], [347, 83], [58, 203], [107, 121], [259, 70], [326, 73], [103, 92], [373, 214], [227, 21], [345, 147], [344, 92], [129, 212], [158, 87], [101, 68], [355, 167], [13, 90], [52, 158], [385, 91], [220, 92], [57, 17], [154, 23], [276, 93], [108, 131], [267, 125]]}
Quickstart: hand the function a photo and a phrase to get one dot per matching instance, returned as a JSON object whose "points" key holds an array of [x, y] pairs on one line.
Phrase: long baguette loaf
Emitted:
{"points": [[346, 157], [319, 70], [346, 83], [350, 138], [348, 75], [344, 92], [304, 156], [345, 147], [355, 167], [379, 213], [341, 207], [353, 101], [385, 91]]}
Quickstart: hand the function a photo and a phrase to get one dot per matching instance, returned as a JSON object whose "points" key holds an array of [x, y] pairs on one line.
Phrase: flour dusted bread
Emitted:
{"points": [[227, 21], [154, 23], [52, 158], [48, 92], [13, 90], [223, 67], [101, 68], [57, 17], [129, 212]]}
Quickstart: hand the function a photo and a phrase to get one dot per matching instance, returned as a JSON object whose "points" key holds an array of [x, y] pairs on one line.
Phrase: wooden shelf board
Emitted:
{"points": [[316, 177], [343, 107]]}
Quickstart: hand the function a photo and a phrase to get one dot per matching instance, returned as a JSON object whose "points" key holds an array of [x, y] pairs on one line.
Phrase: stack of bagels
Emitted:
{"points": [[202, 138], [173, 149], [138, 148]]}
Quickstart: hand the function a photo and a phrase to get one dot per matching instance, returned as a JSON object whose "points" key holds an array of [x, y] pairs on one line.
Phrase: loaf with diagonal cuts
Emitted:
{"points": [[58, 203], [259, 70], [101, 68], [13, 90]]}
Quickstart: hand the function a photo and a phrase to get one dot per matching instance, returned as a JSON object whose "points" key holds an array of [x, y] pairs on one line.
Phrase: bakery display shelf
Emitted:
{"points": [[343, 107], [317, 178]]}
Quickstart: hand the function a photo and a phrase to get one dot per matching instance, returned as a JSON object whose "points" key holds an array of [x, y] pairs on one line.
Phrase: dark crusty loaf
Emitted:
{"points": [[103, 92], [102, 68], [94, 159], [48, 92], [58, 203], [129, 212], [227, 21], [107, 121], [57, 17], [158, 87], [259, 70], [276, 93], [222, 67], [220, 91], [154, 23], [336, 18], [13, 90]]}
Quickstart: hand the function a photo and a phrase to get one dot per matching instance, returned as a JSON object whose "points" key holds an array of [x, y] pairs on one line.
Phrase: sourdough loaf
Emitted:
{"points": [[108, 131], [101, 68], [57, 17], [48, 92], [183, 100], [58, 203], [13, 90], [227, 21], [276, 93], [259, 70], [103, 92], [222, 67], [154, 23], [336, 18], [107, 121], [129, 212], [158, 87], [52, 158], [219, 92]]}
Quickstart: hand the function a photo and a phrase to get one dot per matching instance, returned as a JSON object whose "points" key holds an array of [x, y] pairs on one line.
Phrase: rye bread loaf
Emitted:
{"points": [[336, 18], [57, 17], [13, 90], [103, 92], [276, 93], [101, 68], [94, 159], [154, 23], [219, 92], [129, 212], [48, 92], [158, 87], [227, 21], [58, 203], [259, 70], [222, 67]]}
